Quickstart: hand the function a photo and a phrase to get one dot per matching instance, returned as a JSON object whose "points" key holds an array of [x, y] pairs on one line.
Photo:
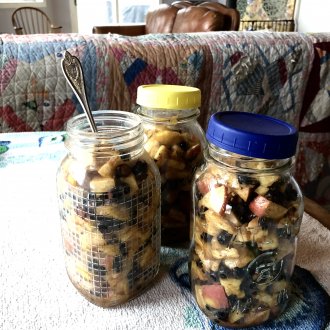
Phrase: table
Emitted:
{"points": [[36, 292]]}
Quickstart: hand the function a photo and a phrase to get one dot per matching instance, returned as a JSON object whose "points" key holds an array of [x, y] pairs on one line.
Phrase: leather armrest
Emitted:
{"points": [[197, 19], [127, 30]]}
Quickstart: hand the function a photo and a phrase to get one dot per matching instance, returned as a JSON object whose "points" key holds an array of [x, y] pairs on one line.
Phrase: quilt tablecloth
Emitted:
{"points": [[37, 294]]}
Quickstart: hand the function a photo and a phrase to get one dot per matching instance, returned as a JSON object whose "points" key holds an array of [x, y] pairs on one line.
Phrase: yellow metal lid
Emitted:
{"points": [[171, 97]]}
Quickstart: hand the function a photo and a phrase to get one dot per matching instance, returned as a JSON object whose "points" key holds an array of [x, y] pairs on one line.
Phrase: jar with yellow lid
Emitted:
{"points": [[175, 141]]}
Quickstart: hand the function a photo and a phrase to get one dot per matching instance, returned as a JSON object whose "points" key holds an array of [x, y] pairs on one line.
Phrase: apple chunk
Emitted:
{"points": [[215, 199], [243, 192], [262, 207], [206, 183], [214, 296]]}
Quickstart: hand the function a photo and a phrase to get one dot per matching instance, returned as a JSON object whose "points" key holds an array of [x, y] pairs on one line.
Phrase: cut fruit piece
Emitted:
{"points": [[262, 207], [257, 317], [215, 199], [197, 272], [268, 243], [215, 223], [113, 211], [243, 193], [261, 190], [205, 183], [168, 138], [231, 217], [101, 184], [108, 168], [232, 287], [161, 156], [268, 180], [214, 296]]}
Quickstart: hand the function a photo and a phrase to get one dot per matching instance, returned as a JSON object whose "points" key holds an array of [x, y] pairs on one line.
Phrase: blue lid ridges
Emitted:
{"points": [[252, 135]]}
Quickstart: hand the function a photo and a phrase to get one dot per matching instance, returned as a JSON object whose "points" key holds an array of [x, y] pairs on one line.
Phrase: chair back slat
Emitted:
{"points": [[31, 20]]}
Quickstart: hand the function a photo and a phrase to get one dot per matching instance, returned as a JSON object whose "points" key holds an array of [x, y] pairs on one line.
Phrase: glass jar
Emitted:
{"points": [[247, 210], [109, 202], [175, 142]]}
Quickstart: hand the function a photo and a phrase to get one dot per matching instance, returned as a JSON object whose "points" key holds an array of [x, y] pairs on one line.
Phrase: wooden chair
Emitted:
{"points": [[31, 20], [180, 17]]}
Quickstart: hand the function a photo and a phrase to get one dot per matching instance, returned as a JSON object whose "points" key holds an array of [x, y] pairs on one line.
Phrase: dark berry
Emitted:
{"points": [[226, 272], [264, 222], [111, 238], [106, 224], [123, 249], [133, 220], [123, 170], [248, 286], [247, 180], [119, 191], [241, 209], [214, 275], [206, 237], [221, 313], [282, 297], [140, 170], [117, 264], [135, 273], [199, 263], [290, 193], [202, 211], [245, 305], [284, 232], [96, 199], [224, 237], [184, 145], [275, 194], [96, 268], [233, 301]]}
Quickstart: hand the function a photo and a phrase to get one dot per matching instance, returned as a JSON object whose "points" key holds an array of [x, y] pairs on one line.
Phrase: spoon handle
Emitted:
{"points": [[72, 70]]}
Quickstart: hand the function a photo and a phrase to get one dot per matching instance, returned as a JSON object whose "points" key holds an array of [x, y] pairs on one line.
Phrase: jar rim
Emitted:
{"points": [[116, 129], [79, 124]]}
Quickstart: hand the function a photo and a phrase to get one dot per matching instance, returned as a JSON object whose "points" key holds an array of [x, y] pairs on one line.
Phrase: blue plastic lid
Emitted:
{"points": [[252, 135]]}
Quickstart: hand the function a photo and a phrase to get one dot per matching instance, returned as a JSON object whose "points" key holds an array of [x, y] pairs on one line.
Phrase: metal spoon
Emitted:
{"points": [[73, 73]]}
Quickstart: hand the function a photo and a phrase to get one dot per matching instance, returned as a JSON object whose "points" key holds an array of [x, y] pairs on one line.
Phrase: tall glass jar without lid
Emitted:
{"points": [[109, 201], [247, 214], [175, 141]]}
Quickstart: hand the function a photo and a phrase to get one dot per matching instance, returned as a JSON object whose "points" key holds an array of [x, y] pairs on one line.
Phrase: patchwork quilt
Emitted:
{"points": [[259, 72]]}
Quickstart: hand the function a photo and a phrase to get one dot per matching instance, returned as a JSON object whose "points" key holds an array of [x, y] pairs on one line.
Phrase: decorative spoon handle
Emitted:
{"points": [[73, 73]]}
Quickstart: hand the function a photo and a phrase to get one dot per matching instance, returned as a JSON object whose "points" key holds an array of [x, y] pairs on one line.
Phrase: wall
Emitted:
{"points": [[313, 15]]}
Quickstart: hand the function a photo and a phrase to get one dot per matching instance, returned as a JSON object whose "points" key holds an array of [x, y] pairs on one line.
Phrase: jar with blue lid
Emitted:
{"points": [[247, 211]]}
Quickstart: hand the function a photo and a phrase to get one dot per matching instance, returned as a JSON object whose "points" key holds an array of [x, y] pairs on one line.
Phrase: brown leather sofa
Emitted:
{"points": [[180, 17]]}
